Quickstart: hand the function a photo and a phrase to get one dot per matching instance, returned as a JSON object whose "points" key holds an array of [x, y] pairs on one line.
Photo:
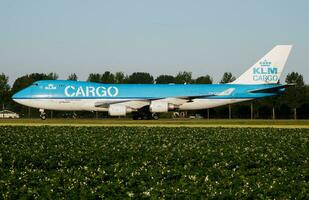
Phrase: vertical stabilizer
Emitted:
{"points": [[268, 69]]}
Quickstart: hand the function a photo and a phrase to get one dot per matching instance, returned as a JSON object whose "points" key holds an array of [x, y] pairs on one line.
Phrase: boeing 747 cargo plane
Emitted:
{"points": [[146, 100]]}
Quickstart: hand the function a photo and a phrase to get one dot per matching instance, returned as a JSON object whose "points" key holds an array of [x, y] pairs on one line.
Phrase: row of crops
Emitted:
{"points": [[158, 163]]}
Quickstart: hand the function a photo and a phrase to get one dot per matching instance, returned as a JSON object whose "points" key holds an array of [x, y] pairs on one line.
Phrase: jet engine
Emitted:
{"points": [[118, 110], [160, 106]]}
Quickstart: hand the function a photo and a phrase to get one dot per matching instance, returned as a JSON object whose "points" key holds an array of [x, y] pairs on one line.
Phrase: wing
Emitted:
{"points": [[137, 104], [134, 104], [177, 100]]}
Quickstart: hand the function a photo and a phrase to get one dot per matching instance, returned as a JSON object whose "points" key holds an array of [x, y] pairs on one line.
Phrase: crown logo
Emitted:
{"points": [[265, 63], [50, 87]]}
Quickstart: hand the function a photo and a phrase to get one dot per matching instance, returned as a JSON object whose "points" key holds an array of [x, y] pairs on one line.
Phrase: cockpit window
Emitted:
{"points": [[35, 84]]}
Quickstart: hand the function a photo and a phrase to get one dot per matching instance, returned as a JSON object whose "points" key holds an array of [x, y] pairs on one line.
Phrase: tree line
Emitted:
{"points": [[294, 103]]}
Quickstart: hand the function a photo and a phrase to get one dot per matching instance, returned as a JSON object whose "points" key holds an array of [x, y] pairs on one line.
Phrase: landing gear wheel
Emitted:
{"points": [[43, 116], [155, 116], [142, 116], [175, 115], [137, 116], [183, 114], [74, 116]]}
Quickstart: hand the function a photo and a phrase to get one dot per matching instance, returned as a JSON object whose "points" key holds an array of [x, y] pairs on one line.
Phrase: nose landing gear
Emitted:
{"points": [[43, 115]]}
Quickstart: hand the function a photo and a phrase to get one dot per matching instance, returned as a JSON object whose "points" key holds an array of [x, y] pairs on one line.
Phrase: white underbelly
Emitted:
{"points": [[208, 103], [66, 104], [90, 104]]}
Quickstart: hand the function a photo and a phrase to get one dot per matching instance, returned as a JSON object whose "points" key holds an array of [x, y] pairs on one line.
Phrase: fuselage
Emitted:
{"points": [[85, 96]]}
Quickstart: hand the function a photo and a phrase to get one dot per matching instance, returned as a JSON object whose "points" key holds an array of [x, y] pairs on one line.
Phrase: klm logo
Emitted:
{"points": [[50, 87], [265, 72]]}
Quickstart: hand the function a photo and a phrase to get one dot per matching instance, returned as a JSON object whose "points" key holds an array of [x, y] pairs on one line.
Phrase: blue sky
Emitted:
{"points": [[160, 37]]}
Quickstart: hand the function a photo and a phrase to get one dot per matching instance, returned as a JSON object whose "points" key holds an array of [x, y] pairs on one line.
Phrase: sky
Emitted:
{"points": [[159, 37]]}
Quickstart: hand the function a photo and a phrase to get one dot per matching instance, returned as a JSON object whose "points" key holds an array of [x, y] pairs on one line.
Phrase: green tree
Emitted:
{"points": [[165, 79], [204, 80], [295, 96], [108, 77], [295, 78], [51, 76], [141, 77], [4, 89], [72, 77], [227, 78], [94, 77], [120, 77], [184, 77]]}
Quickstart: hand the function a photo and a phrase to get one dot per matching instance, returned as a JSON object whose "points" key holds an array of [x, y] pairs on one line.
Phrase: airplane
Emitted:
{"points": [[145, 101]]}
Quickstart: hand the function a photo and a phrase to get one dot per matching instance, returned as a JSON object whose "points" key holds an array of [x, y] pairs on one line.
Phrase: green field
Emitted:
{"points": [[153, 162], [162, 122]]}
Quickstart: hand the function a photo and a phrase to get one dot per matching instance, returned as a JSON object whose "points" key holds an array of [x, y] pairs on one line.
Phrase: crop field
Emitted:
{"points": [[61, 162]]}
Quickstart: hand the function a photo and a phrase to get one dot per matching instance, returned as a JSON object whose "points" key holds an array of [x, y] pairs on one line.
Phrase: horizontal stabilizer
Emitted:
{"points": [[272, 89]]}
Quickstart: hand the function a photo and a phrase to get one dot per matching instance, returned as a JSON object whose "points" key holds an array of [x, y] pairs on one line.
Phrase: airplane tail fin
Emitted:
{"points": [[268, 69]]}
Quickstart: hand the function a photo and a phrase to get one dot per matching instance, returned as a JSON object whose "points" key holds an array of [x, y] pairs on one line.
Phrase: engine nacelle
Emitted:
{"points": [[118, 110], [160, 106]]}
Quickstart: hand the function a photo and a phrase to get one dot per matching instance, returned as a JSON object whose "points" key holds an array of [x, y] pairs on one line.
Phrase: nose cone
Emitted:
{"points": [[22, 97], [16, 96], [23, 94]]}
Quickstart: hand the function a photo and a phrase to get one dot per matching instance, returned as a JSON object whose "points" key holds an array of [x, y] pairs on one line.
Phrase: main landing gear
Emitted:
{"points": [[145, 114], [43, 115]]}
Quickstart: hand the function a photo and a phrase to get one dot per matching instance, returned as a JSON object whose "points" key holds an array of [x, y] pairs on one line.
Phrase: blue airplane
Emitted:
{"points": [[145, 101]]}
